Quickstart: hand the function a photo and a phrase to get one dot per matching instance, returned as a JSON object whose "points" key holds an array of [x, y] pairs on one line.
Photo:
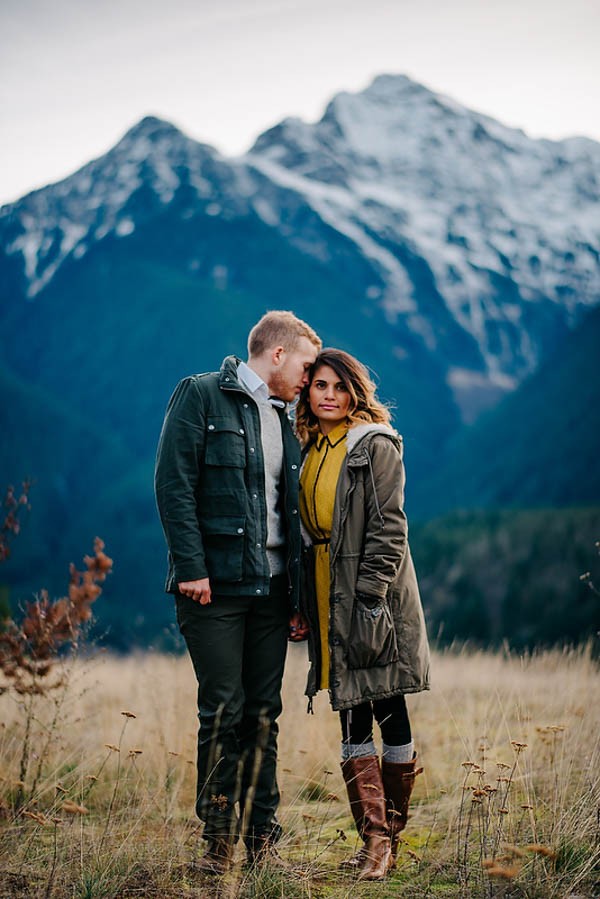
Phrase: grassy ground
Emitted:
{"points": [[508, 804]]}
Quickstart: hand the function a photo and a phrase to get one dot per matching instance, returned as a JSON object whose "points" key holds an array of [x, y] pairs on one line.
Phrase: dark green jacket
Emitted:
{"points": [[210, 487], [380, 649]]}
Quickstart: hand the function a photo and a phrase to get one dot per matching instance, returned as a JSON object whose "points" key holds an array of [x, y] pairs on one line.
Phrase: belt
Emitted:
{"points": [[321, 542]]}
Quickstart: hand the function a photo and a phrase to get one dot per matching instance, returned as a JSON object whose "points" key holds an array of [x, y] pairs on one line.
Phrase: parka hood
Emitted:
{"points": [[366, 432]]}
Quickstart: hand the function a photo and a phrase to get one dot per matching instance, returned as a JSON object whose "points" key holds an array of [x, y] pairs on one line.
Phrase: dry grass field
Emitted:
{"points": [[508, 805]]}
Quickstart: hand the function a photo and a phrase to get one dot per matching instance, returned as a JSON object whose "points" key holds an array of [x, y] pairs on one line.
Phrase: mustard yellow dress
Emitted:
{"points": [[318, 483]]}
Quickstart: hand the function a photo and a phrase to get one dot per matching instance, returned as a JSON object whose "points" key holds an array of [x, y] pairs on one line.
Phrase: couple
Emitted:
{"points": [[231, 486]]}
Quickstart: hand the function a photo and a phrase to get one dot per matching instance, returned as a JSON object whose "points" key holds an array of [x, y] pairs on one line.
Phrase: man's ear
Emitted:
{"points": [[277, 354]]}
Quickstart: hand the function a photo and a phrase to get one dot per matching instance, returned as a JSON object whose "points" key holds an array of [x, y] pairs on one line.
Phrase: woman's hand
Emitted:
{"points": [[299, 628]]}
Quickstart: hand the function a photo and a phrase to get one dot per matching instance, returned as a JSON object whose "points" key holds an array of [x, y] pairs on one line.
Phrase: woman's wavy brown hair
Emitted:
{"points": [[364, 405]]}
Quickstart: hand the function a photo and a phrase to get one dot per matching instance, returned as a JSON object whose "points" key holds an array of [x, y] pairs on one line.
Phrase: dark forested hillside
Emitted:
{"points": [[510, 576], [539, 447]]}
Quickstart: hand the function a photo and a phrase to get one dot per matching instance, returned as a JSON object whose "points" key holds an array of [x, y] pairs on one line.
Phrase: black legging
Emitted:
{"points": [[392, 718]]}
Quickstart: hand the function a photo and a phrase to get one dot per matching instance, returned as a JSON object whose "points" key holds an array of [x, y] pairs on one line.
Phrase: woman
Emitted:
{"points": [[367, 640]]}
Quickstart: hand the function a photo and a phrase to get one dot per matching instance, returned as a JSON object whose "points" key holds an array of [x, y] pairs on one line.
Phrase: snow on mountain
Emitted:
{"points": [[49, 225], [482, 242], [490, 211]]}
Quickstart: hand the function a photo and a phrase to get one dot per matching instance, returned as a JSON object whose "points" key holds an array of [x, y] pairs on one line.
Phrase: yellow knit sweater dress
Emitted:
{"points": [[318, 483]]}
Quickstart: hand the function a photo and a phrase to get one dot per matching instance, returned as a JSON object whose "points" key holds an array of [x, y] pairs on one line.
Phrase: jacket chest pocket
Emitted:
{"points": [[225, 445]]}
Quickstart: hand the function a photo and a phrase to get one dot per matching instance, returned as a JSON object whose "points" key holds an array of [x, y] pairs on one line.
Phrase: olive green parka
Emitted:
{"points": [[379, 649]]}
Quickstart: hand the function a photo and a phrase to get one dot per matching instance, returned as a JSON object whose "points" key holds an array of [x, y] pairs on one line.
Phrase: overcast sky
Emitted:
{"points": [[76, 74]]}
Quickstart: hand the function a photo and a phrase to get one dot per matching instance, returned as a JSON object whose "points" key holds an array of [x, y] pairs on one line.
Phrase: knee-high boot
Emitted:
{"points": [[398, 782], [364, 785]]}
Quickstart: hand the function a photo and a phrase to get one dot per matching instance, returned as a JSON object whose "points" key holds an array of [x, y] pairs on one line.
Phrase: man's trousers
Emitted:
{"points": [[238, 646]]}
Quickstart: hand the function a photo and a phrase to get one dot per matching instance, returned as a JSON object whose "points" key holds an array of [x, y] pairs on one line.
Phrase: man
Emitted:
{"points": [[227, 492]]}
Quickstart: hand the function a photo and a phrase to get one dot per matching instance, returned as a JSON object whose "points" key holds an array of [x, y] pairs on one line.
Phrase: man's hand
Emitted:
{"points": [[299, 628], [199, 591]]}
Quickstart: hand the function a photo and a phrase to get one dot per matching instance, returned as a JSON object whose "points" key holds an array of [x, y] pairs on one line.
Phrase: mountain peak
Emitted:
{"points": [[152, 128], [394, 85], [110, 195]]}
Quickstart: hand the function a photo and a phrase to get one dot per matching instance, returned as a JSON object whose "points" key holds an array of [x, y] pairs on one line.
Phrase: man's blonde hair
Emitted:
{"points": [[279, 328]]}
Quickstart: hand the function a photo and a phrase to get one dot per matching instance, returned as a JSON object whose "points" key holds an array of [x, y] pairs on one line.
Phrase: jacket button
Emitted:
{"points": [[294, 511], [240, 530], [251, 449], [245, 405], [211, 427], [294, 467], [241, 430], [226, 379], [259, 590]]}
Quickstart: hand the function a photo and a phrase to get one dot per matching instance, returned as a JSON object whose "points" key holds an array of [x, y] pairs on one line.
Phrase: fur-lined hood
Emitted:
{"points": [[356, 437]]}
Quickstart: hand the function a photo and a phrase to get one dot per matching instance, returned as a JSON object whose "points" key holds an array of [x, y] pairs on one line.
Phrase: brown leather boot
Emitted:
{"points": [[398, 782], [362, 777], [354, 862], [218, 857]]}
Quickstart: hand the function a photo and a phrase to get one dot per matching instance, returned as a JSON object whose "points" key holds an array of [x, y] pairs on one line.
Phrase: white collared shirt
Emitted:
{"points": [[272, 445], [253, 383]]}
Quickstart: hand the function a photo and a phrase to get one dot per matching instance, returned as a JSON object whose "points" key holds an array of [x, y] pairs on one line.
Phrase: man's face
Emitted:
{"points": [[291, 374]]}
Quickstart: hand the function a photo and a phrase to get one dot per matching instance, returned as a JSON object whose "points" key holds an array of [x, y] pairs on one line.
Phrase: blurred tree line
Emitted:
{"points": [[514, 576]]}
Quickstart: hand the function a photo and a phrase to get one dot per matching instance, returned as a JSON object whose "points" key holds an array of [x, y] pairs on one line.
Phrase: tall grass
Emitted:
{"points": [[508, 804]]}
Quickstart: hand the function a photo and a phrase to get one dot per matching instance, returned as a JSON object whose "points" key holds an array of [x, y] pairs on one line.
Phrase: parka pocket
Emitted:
{"points": [[225, 444], [372, 640], [223, 539]]}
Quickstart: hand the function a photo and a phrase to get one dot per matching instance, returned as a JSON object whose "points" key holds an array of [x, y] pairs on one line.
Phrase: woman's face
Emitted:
{"points": [[328, 398]]}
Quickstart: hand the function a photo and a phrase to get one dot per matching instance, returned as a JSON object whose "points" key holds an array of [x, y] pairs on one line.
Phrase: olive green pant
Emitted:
{"points": [[238, 646]]}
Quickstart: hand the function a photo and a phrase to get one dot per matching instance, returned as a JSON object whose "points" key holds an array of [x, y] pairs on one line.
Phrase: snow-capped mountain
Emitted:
{"points": [[507, 227], [472, 239], [109, 195]]}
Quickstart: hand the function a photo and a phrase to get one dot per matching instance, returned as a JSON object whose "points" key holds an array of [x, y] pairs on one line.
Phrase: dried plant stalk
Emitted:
{"points": [[29, 651], [11, 524]]}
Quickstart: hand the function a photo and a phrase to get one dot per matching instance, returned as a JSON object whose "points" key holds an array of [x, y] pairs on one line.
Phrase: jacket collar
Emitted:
{"points": [[228, 374], [252, 384]]}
